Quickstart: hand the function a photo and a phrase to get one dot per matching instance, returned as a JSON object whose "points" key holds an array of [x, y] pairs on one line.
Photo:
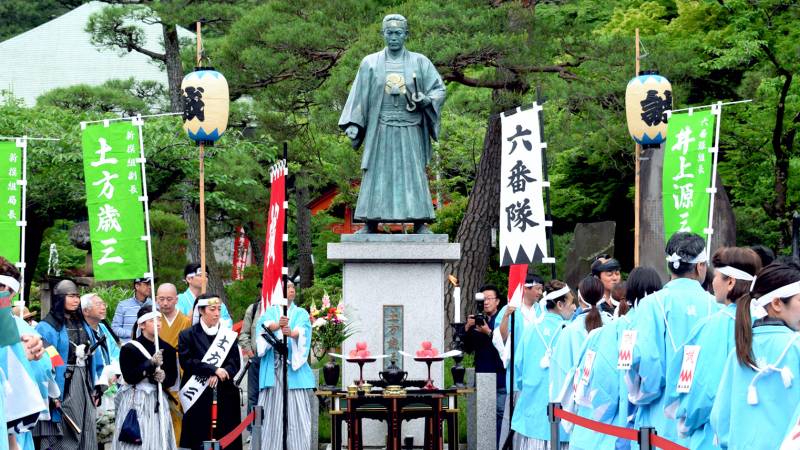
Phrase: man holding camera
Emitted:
{"points": [[478, 340]]}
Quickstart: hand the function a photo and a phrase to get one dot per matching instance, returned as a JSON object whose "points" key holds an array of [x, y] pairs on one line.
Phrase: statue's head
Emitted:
{"points": [[395, 31]]}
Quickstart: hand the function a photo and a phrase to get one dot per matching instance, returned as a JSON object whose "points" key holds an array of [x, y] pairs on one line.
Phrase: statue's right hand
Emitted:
{"points": [[351, 131]]}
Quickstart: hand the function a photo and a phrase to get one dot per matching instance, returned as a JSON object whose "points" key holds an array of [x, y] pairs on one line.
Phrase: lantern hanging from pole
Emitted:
{"points": [[205, 105], [647, 99]]}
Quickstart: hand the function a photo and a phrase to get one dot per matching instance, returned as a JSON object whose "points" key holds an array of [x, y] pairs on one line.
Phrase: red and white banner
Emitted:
{"points": [[271, 281], [516, 282], [241, 254]]}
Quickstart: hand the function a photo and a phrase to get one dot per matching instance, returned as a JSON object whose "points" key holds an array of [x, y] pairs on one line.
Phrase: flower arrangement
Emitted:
{"points": [[330, 327], [106, 416]]}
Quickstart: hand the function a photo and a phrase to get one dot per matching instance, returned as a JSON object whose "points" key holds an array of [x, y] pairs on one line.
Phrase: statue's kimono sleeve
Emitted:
{"points": [[435, 90], [356, 109]]}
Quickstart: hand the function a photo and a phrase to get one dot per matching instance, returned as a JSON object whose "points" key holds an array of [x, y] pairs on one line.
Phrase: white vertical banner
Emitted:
{"points": [[523, 222]]}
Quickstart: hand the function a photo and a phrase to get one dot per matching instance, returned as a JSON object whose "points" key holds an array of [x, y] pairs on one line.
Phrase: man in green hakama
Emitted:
{"points": [[394, 109]]}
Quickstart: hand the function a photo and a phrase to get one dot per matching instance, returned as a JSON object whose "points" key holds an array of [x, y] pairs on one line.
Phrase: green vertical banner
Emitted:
{"points": [[688, 159], [10, 199], [112, 176]]}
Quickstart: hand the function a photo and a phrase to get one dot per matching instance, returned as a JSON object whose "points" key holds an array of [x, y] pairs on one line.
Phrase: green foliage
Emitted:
{"points": [[115, 96], [448, 218], [70, 258], [169, 246], [242, 293], [112, 294]]}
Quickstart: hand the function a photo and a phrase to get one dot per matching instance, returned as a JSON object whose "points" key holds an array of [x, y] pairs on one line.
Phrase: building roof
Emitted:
{"points": [[59, 53]]}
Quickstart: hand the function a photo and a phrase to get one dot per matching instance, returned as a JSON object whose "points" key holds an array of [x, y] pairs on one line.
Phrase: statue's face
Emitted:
{"points": [[395, 37]]}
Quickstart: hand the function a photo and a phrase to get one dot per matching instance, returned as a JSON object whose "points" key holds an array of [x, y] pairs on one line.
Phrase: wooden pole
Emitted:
{"points": [[285, 277], [637, 198], [203, 218], [202, 179]]}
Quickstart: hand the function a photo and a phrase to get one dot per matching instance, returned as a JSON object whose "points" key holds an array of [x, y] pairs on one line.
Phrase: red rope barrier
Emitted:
{"points": [[662, 443], [613, 430], [236, 432]]}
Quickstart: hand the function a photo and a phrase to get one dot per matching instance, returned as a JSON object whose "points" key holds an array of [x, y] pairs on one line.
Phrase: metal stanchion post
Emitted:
{"points": [[644, 438], [211, 445], [555, 422], [255, 434]]}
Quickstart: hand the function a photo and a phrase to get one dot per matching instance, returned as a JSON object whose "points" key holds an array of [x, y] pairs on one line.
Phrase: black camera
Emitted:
{"points": [[480, 318]]}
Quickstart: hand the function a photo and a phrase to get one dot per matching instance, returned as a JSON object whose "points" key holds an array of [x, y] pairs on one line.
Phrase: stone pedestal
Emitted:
{"points": [[485, 410], [472, 406], [393, 286]]}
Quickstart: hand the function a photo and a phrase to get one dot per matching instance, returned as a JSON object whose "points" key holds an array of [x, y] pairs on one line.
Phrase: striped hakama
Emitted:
{"points": [[76, 405], [525, 443], [143, 399], [299, 421]]}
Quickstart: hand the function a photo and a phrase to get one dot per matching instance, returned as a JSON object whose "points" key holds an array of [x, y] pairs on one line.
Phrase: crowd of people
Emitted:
{"points": [[157, 370], [708, 359]]}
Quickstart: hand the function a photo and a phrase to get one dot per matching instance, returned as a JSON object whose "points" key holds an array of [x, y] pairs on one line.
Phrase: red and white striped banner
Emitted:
{"points": [[241, 254]]}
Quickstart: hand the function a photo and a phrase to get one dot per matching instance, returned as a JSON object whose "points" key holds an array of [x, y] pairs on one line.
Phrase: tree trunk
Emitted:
{"points": [[255, 243], [474, 233], [192, 219], [34, 235], [781, 158], [172, 51], [304, 237]]}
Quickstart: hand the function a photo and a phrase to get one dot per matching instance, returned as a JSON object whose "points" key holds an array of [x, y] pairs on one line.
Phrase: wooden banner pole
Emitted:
{"points": [[637, 169]]}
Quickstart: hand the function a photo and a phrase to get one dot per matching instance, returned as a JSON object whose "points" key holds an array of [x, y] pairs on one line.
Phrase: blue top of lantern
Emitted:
{"points": [[642, 79], [204, 72]]}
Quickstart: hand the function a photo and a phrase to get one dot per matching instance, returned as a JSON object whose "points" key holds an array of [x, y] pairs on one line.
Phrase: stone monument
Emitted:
{"points": [[394, 284]]}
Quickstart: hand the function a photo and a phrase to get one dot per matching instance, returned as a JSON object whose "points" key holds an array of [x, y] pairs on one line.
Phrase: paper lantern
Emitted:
{"points": [[205, 105], [647, 98]]}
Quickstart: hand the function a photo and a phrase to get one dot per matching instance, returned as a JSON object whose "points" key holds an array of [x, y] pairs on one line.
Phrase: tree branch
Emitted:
{"points": [[130, 44]]}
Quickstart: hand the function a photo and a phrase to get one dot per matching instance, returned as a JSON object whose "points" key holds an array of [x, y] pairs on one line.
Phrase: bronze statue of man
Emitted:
{"points": [[394, 109]]}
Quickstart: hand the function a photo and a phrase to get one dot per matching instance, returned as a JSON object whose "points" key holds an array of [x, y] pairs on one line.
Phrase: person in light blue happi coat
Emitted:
{"points": [[40, 371], [21, 403], [523, 315], [531, 429], [663, 322], [296, 326], [605, 396], [735, 268], [760, 389], [572, 342], [194, 277]]}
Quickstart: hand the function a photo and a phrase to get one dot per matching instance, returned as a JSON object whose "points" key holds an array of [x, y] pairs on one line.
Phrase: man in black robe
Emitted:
{"points": [[193, 344]]}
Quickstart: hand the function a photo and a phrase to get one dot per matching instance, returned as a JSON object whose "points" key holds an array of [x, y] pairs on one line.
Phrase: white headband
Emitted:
{"points": [[203, 302], [757, 307], [557, 293], [209, 301], [10, 282], [197, 272], [582, 301], [149, 316], [676, 259], [733, 272]]}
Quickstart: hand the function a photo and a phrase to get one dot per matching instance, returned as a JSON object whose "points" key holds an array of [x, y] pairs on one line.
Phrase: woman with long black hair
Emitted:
{"points": [[604, 394]]}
